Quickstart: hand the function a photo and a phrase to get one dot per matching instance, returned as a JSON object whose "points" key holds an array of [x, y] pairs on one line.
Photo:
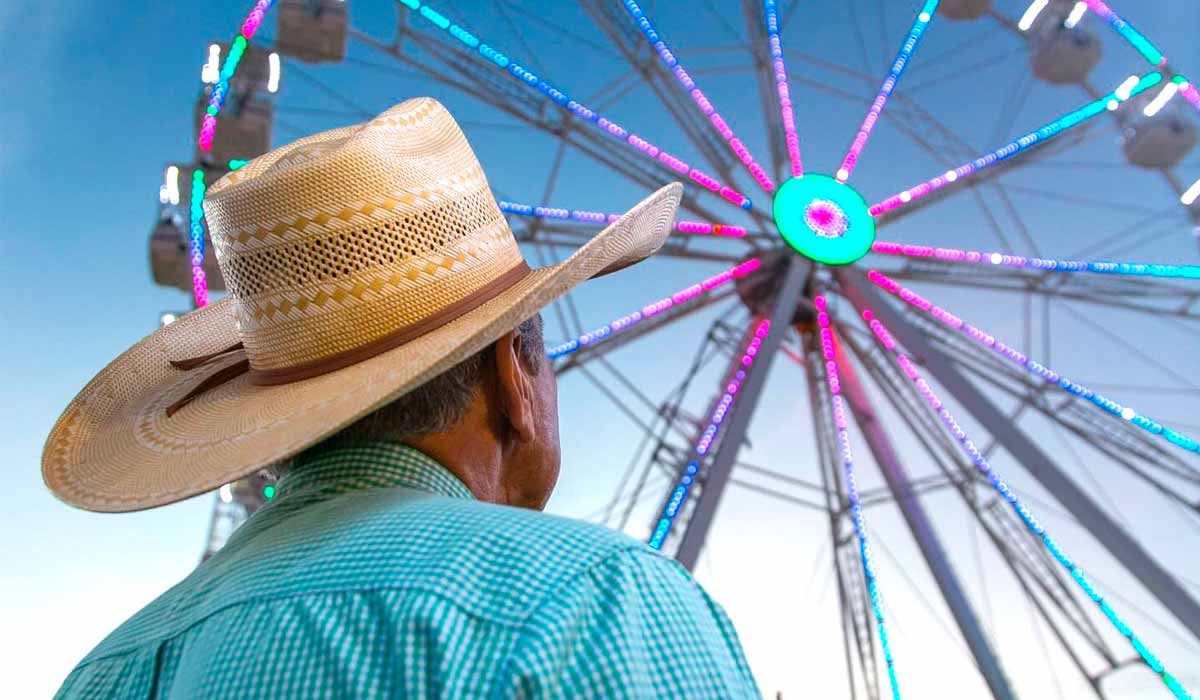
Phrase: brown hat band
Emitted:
{"points": [[307, 370]]}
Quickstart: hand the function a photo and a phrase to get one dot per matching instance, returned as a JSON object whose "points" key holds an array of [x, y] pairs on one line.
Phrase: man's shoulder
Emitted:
{"points": [[529, 543], [495, 561]]}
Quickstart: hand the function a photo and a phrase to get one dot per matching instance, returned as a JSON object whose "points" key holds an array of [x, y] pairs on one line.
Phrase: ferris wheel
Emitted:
{"points": [[797, 265]]}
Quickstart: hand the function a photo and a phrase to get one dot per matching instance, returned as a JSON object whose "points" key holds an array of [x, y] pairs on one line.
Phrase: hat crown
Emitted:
{"points": [[347, 237]]}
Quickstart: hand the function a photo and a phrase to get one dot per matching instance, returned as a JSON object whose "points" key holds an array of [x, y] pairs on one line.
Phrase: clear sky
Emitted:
{"points": [[100, 97]]}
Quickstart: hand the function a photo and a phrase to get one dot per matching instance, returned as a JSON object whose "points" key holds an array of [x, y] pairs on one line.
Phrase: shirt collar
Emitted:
{"points": [[371, 466]]}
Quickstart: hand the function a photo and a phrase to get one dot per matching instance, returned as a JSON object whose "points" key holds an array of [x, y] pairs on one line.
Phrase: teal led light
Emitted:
{"points": [[823, 219]]}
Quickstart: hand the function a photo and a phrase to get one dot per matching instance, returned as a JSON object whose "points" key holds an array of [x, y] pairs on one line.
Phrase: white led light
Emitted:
{"points": [[163, 197], [905, 196], [167, 319], [951, 175], [842, 174], [1128, 413], [1161, 99], [1191, 195], [1031, 14], [1112, 105], [1126, 88], [171, 184], [1077, 14], [226, 494], [211, 72], [924, 17], [996, 258], [273, 80]]}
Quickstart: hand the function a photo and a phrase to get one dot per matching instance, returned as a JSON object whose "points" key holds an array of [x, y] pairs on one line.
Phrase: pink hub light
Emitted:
{"points": [[826, 219]]}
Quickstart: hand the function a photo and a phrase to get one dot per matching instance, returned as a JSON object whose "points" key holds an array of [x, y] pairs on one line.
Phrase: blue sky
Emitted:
{"points": [[100, 98]]}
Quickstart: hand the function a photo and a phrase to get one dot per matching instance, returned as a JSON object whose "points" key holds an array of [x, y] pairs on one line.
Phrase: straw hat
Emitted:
{"points": [[360, 263]]}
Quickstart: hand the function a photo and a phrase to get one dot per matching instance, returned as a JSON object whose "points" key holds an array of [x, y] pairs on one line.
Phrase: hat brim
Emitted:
{"points": [[115, 450]]}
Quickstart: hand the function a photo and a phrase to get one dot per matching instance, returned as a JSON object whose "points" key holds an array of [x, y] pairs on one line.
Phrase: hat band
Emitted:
{"points": [[396, 338]]}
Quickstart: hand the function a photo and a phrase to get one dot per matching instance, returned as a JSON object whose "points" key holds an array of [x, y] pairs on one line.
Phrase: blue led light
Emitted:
{"points": [[560, 98]]}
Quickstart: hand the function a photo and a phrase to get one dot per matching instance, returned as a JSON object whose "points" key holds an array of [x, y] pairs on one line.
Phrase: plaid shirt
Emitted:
{"points": [[375, 573]]}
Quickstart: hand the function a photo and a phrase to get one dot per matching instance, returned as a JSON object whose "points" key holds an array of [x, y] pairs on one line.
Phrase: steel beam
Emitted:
{"points": [[717, 474], [922, 529], [1154, 576]]}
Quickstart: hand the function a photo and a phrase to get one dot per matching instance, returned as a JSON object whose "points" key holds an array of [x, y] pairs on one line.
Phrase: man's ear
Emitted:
{"points": [[514, 387]]}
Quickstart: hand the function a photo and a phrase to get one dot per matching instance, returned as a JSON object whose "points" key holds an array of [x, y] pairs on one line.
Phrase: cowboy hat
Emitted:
{"points": [[360, 262]]}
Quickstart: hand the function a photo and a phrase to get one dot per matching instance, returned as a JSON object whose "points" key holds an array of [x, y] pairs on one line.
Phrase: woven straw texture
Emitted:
{"points": [[423, 231]]}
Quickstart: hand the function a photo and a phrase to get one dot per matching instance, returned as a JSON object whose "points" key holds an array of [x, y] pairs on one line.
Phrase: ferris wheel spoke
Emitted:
{"points": [[652, 309], [1001, 487], [1020, 359], [972, 257], [924, 17], [699, 228], [720, 411], [1131, 87], [502, 61], [1153, 297], [837, 405], [702, 101], [787, 114]]}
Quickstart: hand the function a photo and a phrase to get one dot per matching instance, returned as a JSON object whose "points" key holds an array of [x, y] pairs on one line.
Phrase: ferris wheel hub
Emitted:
{"points": [[823, 219]]}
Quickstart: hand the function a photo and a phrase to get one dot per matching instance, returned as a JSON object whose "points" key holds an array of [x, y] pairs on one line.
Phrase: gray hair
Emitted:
{"points": [[435, 406]]}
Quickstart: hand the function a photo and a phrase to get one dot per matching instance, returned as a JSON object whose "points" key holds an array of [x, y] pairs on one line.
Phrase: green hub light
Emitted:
{"points": [[823, 219]]}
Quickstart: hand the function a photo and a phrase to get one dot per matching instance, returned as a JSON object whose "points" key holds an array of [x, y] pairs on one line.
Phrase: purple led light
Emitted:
{"points": [[1033, 138], [1031, 522], [924, 17], [720, 412], [596, 217], [1033, 366], [654, 308], [771, 17], [698, 96], [1006, 260]]}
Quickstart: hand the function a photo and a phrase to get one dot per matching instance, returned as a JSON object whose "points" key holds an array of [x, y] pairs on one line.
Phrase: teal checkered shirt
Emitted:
{"points": [[375, 573]]}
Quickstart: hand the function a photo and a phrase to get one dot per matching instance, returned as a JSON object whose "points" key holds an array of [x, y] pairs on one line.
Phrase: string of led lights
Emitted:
{"points": [[1033, 366], [220, 90], [1145, 47], [653, 309], [597, 217], [208, 127], [1135, 38], [680, 493], [196, 238], [685, 79], [1050, 264], [924, 17], [856, 515], [1132, 86], [791, 138], [1031, 522], [504, 62]]}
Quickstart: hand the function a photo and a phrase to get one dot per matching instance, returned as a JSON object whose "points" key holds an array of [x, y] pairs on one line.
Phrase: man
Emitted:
{"points": [[381, 345]]}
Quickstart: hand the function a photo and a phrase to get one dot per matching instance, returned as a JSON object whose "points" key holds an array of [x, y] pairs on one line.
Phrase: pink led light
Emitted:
{"points": [[1191, 94], [702, 102]]}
